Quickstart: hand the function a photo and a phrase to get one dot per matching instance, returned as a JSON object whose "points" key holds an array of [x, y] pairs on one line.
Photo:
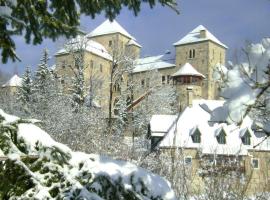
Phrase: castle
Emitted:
{"points": [[196, 55]]}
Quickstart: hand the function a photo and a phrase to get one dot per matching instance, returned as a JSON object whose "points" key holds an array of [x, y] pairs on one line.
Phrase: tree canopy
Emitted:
{"points": [[41, 19]]}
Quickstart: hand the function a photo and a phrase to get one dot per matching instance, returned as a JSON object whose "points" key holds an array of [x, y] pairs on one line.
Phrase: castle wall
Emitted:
{"points": [[253, 181]]}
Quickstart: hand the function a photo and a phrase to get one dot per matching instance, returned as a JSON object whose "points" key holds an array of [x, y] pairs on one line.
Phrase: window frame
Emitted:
{"points": [[188, 163], [258, 163]]}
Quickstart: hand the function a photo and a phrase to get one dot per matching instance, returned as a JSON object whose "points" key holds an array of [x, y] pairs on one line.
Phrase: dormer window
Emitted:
{"points": [[221, 137], [246, 138], [196, 136]]}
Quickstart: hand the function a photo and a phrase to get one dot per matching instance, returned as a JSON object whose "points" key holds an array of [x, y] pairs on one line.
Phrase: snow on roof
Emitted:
{"points": [[81, 42], [160, 124], [188, 69], [151, 63], [108, 27], [197, 117], [133, 42], [15, 81], [194, 36]]}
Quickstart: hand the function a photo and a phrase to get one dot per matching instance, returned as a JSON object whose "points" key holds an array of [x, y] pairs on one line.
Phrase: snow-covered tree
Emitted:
{"points": [[25, 91], [246, 86], [34, 166], [43, 76]]}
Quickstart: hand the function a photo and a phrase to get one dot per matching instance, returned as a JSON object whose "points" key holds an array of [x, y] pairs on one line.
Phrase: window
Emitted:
{"points": [[110, 43], [196, 136], [255, 163], [100, 68], [246, 138], [188, 160], [191, 53], [142, 82], [163, 78], [221, 138], [168, 79], [154, 141], [62, 81], [63, 64], [91, 64]]}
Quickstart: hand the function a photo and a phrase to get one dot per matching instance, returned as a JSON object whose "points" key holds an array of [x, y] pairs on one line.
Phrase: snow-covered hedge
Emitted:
{"points": [[34, 166]]}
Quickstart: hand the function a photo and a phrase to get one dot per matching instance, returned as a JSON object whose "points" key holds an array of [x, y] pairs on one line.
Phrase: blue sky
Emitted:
{"points": [[231, 21]]}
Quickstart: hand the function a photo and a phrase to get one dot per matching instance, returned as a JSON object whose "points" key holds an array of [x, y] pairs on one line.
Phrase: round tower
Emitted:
{"points": [[188, 82]]}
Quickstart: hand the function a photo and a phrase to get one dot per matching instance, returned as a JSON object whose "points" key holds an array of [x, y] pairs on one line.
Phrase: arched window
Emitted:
{"points": [[193, 53]]}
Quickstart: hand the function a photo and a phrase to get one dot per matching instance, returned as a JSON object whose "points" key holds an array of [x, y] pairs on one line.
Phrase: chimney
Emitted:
{"points": [[203, 33], [189, 96]]}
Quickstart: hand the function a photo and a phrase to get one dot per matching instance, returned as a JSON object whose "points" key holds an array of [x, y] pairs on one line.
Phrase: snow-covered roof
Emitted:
{"points": [[197, 117], [81, 42], [133, 42], [15, 81], [188, 69], [108, 27], [151, 63], [194, 36], [160, 124]]}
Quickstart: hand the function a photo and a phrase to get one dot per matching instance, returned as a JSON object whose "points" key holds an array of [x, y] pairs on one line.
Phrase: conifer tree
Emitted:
{"points": [[25, 91], [43, 75], [78, 90]]}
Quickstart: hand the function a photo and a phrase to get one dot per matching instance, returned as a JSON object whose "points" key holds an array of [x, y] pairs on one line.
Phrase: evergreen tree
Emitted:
{"points": [[78, 90], [43, 74], [25, 91]]}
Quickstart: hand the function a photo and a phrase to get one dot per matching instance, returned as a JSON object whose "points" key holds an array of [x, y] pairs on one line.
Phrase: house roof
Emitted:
{"points": [[194, 36], [151, 63], [179, 135], [14, 81], [188, 69], [160, 124], [82, 42], [108, 27]]}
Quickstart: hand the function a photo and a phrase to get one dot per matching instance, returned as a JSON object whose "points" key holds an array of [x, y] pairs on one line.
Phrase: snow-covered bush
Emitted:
{"points": [[246, 85], [34, 166]]}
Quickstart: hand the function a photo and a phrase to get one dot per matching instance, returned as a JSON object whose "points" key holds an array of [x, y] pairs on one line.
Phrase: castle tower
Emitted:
{"points": [[10, 88], [188, 82], [204, 51], [113, 35]]}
